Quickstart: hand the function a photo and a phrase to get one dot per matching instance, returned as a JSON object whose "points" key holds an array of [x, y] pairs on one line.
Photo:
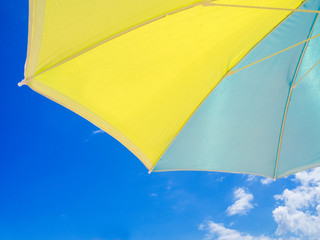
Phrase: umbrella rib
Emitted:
{"points": [[272, 55], [259, 7], [306, 73], [289, 97]]}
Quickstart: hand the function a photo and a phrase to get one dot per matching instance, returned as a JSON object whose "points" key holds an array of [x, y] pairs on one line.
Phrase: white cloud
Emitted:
{"points": [[242, 204], [98, 131], [217, 231], [297, 215], [251, 178], [266, 181], [300, 212], [263, 180], [170, 184], [220, 179]]}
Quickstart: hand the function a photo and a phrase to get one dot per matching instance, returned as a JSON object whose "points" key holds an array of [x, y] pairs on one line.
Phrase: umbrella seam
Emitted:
{"points": [[274, 54], [306, 74], [289, 98], [25, 81], [259, 7]]}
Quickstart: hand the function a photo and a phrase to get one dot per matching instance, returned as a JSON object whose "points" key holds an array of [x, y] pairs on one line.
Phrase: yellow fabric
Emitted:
{"points": [[73, 25], [143, 86]]}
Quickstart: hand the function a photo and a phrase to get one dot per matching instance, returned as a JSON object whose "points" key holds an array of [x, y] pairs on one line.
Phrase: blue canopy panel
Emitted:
{"points": [[301, 138], [237, 128]]}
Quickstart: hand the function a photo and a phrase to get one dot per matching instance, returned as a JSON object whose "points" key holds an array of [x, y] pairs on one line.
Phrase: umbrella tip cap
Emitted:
{"points": [[23, 82]]}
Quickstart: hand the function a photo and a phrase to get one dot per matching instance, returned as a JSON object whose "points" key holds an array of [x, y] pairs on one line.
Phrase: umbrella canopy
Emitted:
{"points": [[223, 85]]}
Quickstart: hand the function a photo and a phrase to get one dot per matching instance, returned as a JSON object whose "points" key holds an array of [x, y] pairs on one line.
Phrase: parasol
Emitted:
{"points": [[223, 85]]}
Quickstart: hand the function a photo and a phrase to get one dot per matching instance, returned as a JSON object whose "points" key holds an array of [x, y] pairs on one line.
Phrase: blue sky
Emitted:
{"points": [[62, 178]]}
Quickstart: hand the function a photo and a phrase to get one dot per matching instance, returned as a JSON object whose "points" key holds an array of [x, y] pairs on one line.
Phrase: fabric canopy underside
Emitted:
{"points": [[245, 112], [140, 70]]}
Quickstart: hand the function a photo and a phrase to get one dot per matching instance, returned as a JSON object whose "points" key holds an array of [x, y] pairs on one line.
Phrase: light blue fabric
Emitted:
{"points": [[301, 139], [237, 127]]}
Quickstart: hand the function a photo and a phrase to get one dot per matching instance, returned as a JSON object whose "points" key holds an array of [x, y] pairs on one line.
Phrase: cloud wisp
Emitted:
{"points": [[242, 202], [266, 181], [217, 231], [263, 180], [97, 131]]}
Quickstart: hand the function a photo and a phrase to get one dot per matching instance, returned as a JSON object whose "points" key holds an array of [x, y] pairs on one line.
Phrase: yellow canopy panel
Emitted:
{"points": [[139, 69]]}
